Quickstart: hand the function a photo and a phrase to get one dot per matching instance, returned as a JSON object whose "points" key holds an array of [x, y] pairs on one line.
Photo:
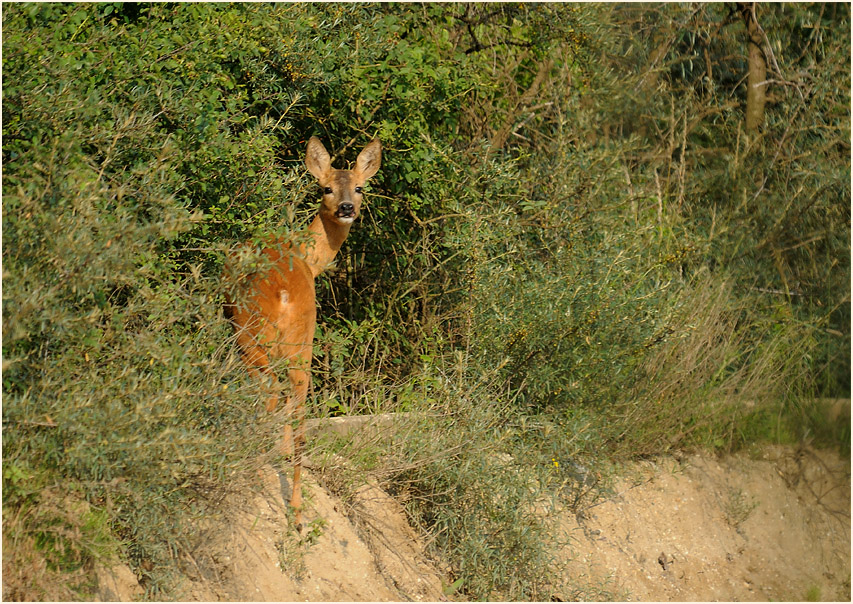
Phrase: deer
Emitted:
{"points": [[273, 311]]}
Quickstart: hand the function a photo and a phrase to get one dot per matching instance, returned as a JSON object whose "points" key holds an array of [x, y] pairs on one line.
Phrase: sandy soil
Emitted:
{"points": [[775, 526], [736, 529]]}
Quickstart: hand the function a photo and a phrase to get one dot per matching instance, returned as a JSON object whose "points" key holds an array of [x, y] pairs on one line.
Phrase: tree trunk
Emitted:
{"points": [[756, 91]]}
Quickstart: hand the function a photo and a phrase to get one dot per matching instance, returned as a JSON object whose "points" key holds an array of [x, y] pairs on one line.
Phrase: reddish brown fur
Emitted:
{"points": [[276, 314]]}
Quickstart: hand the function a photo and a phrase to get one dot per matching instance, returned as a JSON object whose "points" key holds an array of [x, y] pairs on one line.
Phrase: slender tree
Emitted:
{"points": [[756, 96]]}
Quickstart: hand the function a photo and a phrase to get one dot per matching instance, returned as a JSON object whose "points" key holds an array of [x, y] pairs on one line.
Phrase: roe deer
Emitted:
{"points": [[274, 314]]}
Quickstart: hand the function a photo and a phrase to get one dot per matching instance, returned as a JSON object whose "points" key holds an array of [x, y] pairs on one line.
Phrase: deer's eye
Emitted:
{"points": [[358, 190], [327, 190]]}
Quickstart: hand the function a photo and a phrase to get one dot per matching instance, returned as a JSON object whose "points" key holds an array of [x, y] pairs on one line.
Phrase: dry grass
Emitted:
{"points": [[719, 363]]}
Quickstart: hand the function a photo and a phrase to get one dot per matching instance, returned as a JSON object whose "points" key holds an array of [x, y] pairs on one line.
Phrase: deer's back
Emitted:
{"points": [[276, 304]]}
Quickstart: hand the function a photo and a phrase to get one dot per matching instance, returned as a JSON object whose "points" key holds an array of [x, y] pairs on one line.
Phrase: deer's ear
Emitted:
{"points": [[317, 159], [369, 159]]}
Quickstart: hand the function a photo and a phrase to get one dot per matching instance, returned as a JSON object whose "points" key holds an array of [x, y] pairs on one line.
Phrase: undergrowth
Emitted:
{"points": [[485, 498]]}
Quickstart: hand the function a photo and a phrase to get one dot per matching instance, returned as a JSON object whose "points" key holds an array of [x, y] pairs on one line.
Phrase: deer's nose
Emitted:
{"points": [[346, 209]]}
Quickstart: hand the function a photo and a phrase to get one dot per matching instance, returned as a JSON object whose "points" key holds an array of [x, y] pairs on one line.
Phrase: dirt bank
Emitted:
{"points": [[775, 527], [771, 526]]}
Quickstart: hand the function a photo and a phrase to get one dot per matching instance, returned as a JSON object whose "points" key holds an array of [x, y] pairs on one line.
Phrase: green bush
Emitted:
{"points": [[119, 376], [470, 482]]}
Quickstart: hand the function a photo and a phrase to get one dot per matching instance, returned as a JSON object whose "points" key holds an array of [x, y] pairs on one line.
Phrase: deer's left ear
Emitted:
{"points": [[367, 163]]}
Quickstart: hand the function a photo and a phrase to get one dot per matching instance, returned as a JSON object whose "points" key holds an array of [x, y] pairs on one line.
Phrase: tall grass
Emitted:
{"points": [[719, 368]]}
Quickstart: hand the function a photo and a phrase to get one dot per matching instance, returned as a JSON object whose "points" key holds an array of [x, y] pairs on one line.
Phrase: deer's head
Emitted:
{"points": [[342, 189]]}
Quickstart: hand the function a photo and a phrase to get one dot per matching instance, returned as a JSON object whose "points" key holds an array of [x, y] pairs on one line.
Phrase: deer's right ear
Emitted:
{"points": [[317, 159]]}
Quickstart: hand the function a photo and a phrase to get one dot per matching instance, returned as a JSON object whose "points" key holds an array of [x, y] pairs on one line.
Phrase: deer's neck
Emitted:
{"points": [[326, 238]]}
